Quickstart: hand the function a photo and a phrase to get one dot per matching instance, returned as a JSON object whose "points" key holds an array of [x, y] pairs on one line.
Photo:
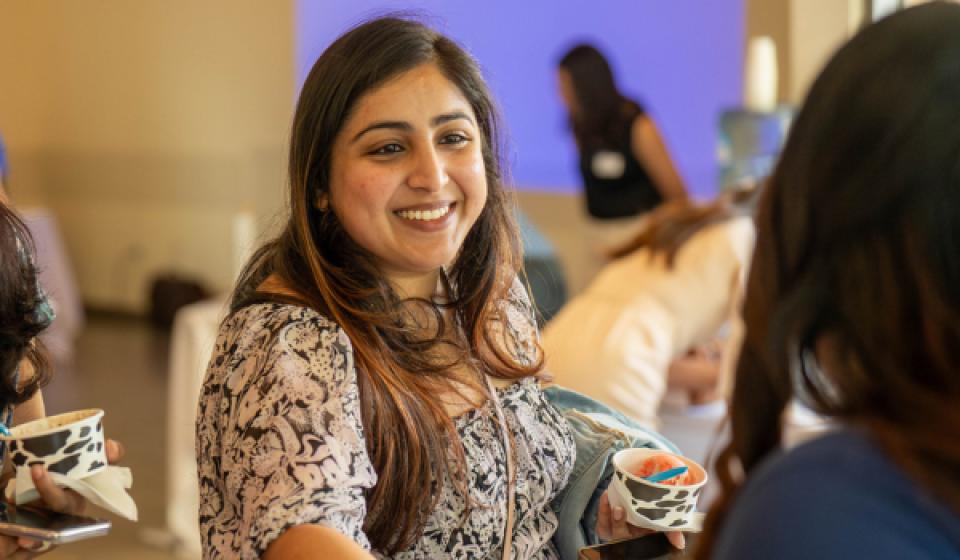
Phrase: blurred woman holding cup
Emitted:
{"points": [[25, 313]]}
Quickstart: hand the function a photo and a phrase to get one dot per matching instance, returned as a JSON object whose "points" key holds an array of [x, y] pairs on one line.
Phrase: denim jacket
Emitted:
{"points": [[599, 431]]}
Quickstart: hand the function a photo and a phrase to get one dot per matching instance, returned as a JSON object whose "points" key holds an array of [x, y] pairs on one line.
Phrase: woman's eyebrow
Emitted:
{"points": [[407, 127], [452, 116], [394, 125]]}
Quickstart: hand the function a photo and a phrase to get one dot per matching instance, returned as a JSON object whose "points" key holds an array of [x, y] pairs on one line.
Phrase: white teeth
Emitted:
{"points": [[424, 215]]}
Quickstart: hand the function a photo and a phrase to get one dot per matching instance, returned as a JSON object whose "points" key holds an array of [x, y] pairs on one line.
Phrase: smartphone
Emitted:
{"points": [[649, 547], [48, 526]]}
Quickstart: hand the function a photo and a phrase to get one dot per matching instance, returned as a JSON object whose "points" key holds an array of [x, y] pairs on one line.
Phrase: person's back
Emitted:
{"points": [[615, 182], [863, 504], [715, 260], [852, 306], [615, 341]]}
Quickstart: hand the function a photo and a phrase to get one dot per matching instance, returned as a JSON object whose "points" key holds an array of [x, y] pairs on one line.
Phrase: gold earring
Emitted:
{"points": [[322, 203]]}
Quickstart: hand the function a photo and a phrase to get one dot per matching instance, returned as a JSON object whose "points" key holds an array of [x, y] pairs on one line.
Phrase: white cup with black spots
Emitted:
{"points": [[70, 444], [654, 505]]}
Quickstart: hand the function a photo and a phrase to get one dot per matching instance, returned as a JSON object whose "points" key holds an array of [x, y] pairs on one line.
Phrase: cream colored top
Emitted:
{"points": [[615, 341]]}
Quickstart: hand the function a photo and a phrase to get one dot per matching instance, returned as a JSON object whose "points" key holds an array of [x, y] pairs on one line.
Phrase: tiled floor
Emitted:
{"points": [[121, 367]]}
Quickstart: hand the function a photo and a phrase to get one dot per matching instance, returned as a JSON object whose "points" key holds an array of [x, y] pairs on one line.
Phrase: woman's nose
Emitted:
{"points": [[429, 172]]}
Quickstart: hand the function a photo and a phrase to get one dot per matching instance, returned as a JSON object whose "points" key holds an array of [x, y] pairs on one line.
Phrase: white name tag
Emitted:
{"points": [[608, 165]]}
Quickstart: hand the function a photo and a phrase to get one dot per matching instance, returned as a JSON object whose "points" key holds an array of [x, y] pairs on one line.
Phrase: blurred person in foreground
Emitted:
{"points": [[24, 368], [853, 306]]}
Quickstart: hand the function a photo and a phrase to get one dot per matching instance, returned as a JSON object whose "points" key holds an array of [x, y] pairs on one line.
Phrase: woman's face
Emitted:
{"points": [[407, 178], [567, 93]]}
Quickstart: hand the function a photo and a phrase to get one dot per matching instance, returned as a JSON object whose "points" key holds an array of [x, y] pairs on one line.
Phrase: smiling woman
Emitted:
{"points": [[372, 390]]}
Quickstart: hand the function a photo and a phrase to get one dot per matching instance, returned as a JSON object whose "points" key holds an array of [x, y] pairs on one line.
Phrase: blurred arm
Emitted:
{"points": [[651, 151]]}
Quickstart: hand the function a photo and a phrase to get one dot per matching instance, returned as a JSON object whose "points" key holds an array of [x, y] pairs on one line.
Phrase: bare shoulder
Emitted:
{"points": [[643, 128]]}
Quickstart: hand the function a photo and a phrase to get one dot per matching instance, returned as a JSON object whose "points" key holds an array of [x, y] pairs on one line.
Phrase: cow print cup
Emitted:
{"points": [[71, 444], [653, 505]]}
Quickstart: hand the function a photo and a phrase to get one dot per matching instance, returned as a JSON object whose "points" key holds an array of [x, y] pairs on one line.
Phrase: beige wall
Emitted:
{"points": [[817, 29], [806, 33], [146, 127]]}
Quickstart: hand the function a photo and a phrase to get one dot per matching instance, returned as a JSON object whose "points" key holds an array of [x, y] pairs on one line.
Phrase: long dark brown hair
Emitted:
{"points": [[673, 223], [21, 318], [857, 253], [410, 437], [603, 114]]}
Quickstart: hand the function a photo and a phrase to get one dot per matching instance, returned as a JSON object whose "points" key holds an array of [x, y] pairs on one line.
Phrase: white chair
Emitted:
{"points": [[194, 334]]}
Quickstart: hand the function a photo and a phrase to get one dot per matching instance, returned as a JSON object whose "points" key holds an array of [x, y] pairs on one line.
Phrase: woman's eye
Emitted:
{"points": [[387, 149], [455, 138]]}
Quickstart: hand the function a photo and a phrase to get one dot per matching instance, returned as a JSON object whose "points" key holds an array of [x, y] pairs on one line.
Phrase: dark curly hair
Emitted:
{"points": [[21, 315]]}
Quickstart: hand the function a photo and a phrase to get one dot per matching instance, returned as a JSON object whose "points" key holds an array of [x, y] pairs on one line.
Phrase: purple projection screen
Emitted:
{"points": [[682, 59]]}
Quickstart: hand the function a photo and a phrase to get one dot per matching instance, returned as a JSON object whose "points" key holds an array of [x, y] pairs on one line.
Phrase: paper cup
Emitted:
{"points": [[70, 444], [653, 505]]}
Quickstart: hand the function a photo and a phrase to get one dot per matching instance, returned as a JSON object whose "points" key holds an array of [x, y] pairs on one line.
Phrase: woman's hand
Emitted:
{"points": [[115, 451], [612, 525], [54, 498]]}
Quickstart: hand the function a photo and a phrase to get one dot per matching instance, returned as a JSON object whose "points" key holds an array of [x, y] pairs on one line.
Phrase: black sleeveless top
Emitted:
{"points": [[616, 184]]}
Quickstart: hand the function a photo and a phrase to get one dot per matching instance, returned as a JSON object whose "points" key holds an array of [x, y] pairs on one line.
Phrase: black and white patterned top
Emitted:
{"points": [[280, 443]]}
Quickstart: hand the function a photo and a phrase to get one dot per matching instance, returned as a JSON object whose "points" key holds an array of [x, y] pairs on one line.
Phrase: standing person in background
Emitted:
{"points": [[853, 306], [648, 320], [626, 167]]}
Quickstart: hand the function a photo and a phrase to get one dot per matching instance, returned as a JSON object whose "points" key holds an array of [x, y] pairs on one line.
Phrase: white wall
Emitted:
{"points": [[146, 127]]}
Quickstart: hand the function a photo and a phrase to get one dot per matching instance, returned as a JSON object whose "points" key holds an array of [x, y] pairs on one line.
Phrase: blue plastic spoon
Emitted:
{"points": [[667, 474]]}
